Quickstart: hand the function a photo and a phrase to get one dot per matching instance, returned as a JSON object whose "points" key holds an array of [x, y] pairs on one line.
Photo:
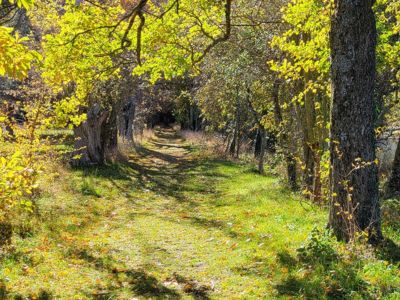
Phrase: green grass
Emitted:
{"points": [[172, 223]]}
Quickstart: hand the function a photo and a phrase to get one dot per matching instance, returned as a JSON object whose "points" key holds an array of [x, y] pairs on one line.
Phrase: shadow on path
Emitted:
{"points": [[166, 165]]}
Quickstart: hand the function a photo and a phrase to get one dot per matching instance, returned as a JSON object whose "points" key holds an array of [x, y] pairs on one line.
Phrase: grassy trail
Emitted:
{"points": [[170, 224]]}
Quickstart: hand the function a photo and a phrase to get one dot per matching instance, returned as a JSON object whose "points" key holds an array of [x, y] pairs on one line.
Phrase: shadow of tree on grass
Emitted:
{"points": [[389, 250], [5, 295], [139, 281]]}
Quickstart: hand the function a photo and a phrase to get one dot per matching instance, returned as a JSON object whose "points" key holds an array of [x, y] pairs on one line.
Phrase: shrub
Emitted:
{"points": [[17, 182], [319, 248]]}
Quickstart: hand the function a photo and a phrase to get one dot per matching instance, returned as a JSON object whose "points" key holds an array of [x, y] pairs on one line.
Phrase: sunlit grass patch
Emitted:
{"points": [[187, 226]]}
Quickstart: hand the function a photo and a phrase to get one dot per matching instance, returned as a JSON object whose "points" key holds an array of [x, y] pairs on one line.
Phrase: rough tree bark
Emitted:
{"points": [[353, 42], [393, 185], [96, 137]]}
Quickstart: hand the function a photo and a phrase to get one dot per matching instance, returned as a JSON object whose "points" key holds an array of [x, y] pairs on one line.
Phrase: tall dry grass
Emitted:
{"points": [[210, 142], [146, 135]]}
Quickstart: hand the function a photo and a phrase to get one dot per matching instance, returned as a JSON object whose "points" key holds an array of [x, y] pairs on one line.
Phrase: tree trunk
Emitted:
{"points": [[270, 142], [197, 120], [89, 146], [237, 129], [284, 141], [129, 125], [232, 145], [97, 138], [291, 171], [127, 119], [109, 134], [309, 166], [317, 184], [262, 151], [257, 144], [308, 117], [228, 144], [355, 194], [393, 185]]}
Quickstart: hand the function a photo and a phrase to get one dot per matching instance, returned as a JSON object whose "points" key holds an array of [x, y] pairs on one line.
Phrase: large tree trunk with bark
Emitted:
{"points": [[393, 185], [354, 173], [88, 146], [96, 138]]}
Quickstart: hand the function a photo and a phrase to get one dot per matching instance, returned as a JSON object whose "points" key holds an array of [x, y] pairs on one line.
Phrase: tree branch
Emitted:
{"points": [[225, 36]]}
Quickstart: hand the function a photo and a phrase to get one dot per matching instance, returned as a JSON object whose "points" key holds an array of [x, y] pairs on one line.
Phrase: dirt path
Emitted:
{"points": [[163, 162]]}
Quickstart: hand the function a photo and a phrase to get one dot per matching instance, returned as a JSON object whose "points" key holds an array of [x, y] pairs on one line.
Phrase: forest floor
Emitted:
{"points": [[172, 223]]}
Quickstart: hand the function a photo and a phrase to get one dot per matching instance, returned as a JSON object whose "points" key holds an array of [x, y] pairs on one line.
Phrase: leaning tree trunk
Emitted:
{"points": [[354, 174], [393, 185]]}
